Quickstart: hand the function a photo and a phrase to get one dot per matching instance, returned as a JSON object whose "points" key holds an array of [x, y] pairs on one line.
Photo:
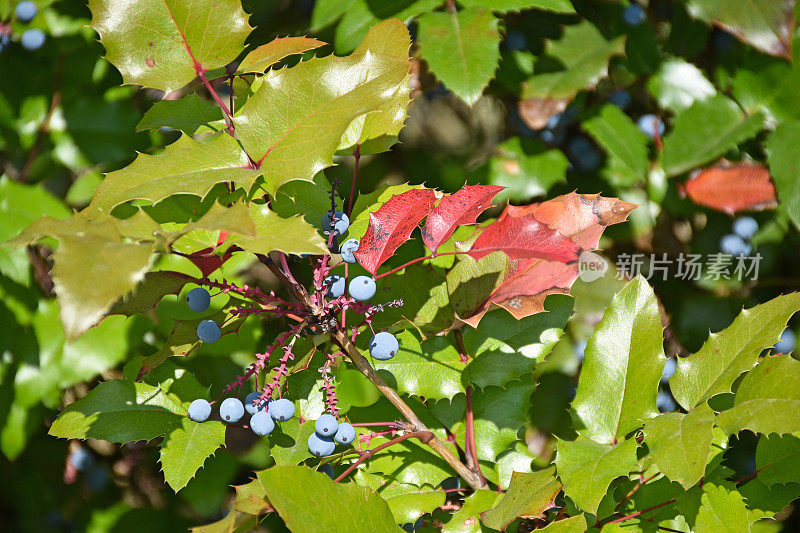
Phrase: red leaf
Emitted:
{"points": [[207, 261], [525, 283], [391, 225], [457, 209], [731, 187]]}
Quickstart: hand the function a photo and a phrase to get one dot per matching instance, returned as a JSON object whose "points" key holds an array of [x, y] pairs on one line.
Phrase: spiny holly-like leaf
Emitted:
{"points": [[529, 495], [704, 132], [289, 444], [290, 235], [624, 143], [778, 459], [765, 502], [185, 114], [783, 162], [336, 507], [391, 225], [462, 49], [521, 286], [251, 498], [467, 519], [587, 468], [624, 361], [680, 444], [166, 44], [186, 448], [186, 166], [407, 507], [149, 292], [370, 203], [722, 508], [584, 53], [268, 54], [727, 354], [454, 210], [732, 187], [768, 399], [234, 522], [556, 6], [765, 24], [293, 124], [120, 411]]}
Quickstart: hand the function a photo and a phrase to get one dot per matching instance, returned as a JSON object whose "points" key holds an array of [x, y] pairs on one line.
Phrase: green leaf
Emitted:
{"points": [[768, 399], [360, 15], [765, 502], [289, 443], [290, 235], [529, 495], [783, 163], [234, 522], [573, 524], [624, 143], [767, 84], [462, 49], [408, 462], [706, 131], [293, 124], [501, 6], [177, 381], [764, 24], [184, 167], [680, 444], [777, 459], [186, 114], [120, 411], [587, 468], [526, 168], [584, 54], [186, 448], [165, 44], [409, 506], [268, 54], [467, 519], [326, 12], [722, 509], [309, 501], [624, 361], [149, 292], [677, 84], [727, 354]]}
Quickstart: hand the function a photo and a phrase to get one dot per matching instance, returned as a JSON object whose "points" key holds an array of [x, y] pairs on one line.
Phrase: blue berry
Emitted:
{"points": [[583, 153], [516, 41], [252, 408], [199, 410], [26, 10], [580, 350], [326, 425], [281, 410], [412, 526], [745, 227], [81, 459], [620, 98], [634, 15], [787, 342], [198, 299], [341, 223], [664, 402], [261, 423], [669, 369], [231, 410], [348, 247], [32, 39], [335, 285], [383, 346], [649, 124], [208, 331], [327, 469], [362, 288], [320, 446], [4, 40], [734, 245], [345, 433]]}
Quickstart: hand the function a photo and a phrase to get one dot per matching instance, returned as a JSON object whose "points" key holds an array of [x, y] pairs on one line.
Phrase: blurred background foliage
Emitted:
{"points": [[564, 91]]}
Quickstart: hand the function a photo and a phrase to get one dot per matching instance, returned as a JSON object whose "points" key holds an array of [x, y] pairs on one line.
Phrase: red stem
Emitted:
{"points": [[637, 513], [422, 435], [417, 260], [470, 437], [228, 116]]}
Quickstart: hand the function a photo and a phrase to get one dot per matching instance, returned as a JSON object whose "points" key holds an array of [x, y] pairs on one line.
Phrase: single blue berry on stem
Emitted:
{"points": [[362, 288], [231, 410], [745, 227], [341, 223], [199, 410], [81, 459], [262, 424], [734, 245], [208, 331], [335, 284], [383, 346], [664, 402], [198, 299], [348, 247], [281, 410], [650, 125], [320, 446], [251, 407], [32, 39], [326, 425], [345, 433], [634, 15], [26, 10]]}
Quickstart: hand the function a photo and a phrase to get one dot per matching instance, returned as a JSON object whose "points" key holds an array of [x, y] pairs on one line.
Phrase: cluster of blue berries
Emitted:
{"points": [[327, 433], [263, 415], [198, 300], [738, 242], [32, 38]]}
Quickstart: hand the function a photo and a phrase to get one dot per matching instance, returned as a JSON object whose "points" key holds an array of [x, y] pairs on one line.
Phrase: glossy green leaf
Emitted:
{"points": [[289, 443], [783, 162], [573, 524], [468, 519], [462, 49], [336, 507], [361, 15], [526, 168], [556, 6], [187, 447], [185, 114], [765, 502], [268, 54], [327, 12], [767, 400], [729, 353], [680, 444], [409, 506], [120, 411], [722, 509], [778, 459], [529, 495], [706, 131], [624, 361], [587, 468], [584, 54], [624, 143], [149, 292], [290, 235], [409, 462], [677, 84]]}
